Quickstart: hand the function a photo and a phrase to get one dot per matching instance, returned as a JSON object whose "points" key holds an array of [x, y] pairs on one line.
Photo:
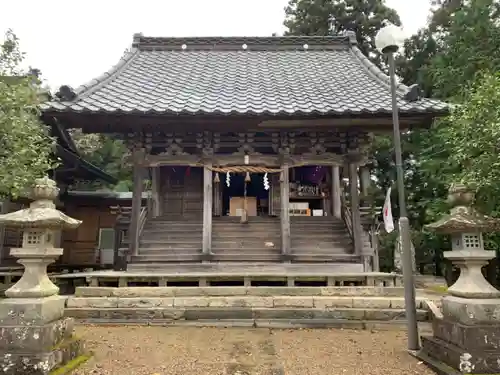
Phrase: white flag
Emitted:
{"points": [[387, 213]]}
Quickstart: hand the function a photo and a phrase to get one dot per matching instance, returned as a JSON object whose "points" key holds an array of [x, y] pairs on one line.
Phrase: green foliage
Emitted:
{"points": [[471, 44], [26, 150], [108, 154], [331, 17], [473, 135]]}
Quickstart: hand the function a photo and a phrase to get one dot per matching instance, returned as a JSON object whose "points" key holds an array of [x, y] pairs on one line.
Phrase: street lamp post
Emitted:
{"points": [[387, 41]]}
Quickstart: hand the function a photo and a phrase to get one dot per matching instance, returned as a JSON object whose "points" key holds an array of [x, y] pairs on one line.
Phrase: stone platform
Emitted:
{"points": [[277, 307]]}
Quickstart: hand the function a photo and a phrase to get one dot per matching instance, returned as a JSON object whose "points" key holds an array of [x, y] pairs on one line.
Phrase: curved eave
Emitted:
{"points": [[351, 112]]}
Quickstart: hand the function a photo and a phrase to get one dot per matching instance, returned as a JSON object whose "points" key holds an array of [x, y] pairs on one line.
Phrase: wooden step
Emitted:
{"points": [[170, 246], [338, 258], [182, 257], [260, 257], [311, 244], [246, 251], [247, 245]]}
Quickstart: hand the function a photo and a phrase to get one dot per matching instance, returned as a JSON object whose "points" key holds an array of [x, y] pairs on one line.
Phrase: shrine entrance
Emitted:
{"points": [[240, 186]]}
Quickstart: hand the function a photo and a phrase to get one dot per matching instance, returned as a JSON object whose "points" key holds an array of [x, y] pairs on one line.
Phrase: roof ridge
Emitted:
{"points": [[92, 85], [376, 72], [145, 42]]}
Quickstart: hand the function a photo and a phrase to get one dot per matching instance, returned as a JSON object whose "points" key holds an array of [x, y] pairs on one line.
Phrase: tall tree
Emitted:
{"points": [[327, 17], [26, 150]]}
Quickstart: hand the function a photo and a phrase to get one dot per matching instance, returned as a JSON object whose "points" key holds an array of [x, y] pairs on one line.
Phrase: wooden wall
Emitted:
{"points": [[80, 245], [181, 192]]}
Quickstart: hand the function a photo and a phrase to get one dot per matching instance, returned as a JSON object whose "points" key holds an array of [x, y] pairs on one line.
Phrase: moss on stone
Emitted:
{"points": [[66, 342], [438, 289], [71, 365]]}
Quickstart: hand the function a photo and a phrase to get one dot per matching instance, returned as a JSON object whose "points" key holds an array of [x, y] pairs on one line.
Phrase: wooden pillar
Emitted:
{"points": [[365, 180], [285, 210], [336, 191], [207, 208], [138, 158], [356, 218], [155, 190], [217, 209]]}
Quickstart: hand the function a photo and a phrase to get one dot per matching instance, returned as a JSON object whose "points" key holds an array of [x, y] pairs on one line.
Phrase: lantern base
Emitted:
{"points": [[35, 338], [472, 348], [470, 311]]}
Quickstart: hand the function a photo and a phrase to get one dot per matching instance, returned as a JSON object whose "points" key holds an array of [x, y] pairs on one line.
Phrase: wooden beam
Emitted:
{"points": [[138, 158], [220, 160], [356, 217], [285, 210], [207, 209]]}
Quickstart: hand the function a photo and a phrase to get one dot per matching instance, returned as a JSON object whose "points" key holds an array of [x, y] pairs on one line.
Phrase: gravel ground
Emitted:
{"points": [[238, 351]]}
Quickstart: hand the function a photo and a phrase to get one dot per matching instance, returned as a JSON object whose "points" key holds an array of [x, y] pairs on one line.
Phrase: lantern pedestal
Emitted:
{"points": [[35, 282]]}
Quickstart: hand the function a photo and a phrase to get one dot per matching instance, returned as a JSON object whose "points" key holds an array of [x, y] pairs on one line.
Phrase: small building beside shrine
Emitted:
{"points": [[82, 246], [246, 143]]}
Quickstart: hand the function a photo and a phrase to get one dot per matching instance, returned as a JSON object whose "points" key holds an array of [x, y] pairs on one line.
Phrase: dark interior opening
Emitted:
{"points": [[254, 188]]}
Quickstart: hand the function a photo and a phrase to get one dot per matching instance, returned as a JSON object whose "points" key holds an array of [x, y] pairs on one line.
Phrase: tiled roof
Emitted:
{"points": [[242, 75]]}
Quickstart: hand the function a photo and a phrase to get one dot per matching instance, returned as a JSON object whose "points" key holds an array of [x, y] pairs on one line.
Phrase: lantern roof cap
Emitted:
{"points": [[42, 212], [463, 217]]}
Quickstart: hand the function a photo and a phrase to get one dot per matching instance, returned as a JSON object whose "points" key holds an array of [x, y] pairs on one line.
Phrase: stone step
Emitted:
{"points": [[240, 313], [395, 292], [125, 300]]}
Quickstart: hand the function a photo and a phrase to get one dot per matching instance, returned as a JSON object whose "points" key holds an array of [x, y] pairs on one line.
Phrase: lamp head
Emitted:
{"points": [[389, 38]]}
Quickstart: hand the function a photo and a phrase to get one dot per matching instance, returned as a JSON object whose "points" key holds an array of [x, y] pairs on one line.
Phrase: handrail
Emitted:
{"points": [[122, 223], [347, 216], [143, 216], [346, 211]]}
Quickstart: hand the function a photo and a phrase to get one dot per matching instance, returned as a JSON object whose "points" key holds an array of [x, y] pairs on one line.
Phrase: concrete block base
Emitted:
{"points": [[42, 363], [462, 349], [34, 337]]}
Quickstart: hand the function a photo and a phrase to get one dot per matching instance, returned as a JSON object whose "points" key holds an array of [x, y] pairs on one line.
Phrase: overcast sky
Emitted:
{"points": [[72, 42]]}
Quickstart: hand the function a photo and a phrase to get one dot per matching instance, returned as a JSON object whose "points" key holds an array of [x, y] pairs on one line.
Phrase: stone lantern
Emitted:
{"points": [[467, 328], [35, 338]]}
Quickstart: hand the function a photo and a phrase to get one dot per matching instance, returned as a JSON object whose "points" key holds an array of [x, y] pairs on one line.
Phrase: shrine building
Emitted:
{"points": [[245, 144]]}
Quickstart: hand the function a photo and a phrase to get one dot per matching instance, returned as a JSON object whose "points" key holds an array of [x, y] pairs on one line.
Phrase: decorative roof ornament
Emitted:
{"points": [[42, 212], [463, 217]]}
